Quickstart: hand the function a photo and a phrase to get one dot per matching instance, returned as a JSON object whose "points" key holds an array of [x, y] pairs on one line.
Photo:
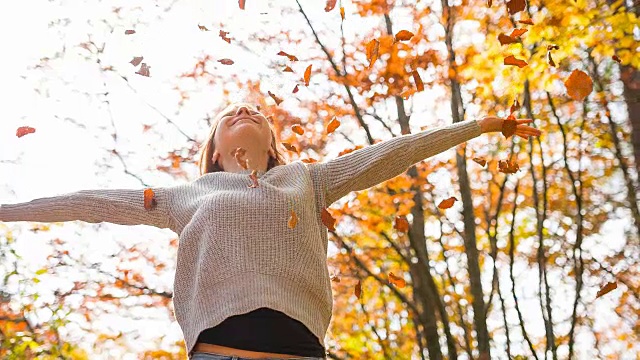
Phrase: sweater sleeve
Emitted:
{"points": [[371, 165], [117, 206]]}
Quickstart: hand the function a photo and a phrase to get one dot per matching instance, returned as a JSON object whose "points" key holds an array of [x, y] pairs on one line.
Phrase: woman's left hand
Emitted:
{"points": [[494, 124]]}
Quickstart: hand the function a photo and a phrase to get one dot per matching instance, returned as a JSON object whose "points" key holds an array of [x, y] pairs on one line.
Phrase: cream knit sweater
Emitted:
{"points": [[236, 252]]}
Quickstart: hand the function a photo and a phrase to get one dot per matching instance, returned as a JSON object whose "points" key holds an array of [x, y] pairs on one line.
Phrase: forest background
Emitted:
{"points": [[536, 259]]}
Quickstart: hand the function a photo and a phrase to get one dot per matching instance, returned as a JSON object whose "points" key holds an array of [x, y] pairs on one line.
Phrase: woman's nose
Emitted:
{"points": [[242, 109]]}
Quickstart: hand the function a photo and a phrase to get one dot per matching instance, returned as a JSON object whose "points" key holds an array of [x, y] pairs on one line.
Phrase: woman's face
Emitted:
{"points": [[241, 125]]}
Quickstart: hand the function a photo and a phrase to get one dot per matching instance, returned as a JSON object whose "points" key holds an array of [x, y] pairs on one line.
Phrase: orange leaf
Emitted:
{"points": [[136, 60], [295, 89], [402, 224], [517, 32], [403, 35], [330, 5], [397, 281], [526, 21], [275, 98], [507, 167], [579, 85], [309, 160], [506, 39], [223, 35], [372, 51], [297, 129], [307, 75], [358, 290], [226, 61], [241, 4], [607, 289], [149, 199], [407, 93], [342, 13], [509, 126], [511, 60], [129, 32], [447, 203], [291, 57], [515, 6], [616, 58], [416, 78], [287, 69], [254, 178], [24, 130], [289, 147], [203, 28], [293, 220], [328, 220], [333, 125], [480, 161]]}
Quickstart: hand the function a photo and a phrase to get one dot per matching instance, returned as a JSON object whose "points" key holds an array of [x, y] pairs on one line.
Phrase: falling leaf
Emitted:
{"points": [[397, 281], [330, 5], [129, 32], [358, 290], [333, 125], [144, 70], [616, 58], [136, 61], [579, 85], [509, 126], [287, 69], [526, 21], [447, 203], [293, 220], [223, 35], [335, 278], [372, 51], [254, 178], [515, 6], [328, 220], [607, 289], [275, 98], [511, 60], [307, 75], [289, 147], [226, 61], [506, 39], [241, 4], [149, 199], [291, 57], [202, 27], [401, 224], [295, 89], [550, 59], [403, 35], [480, 161], [517, 32], [507, 167], [297, 129], [514, 107], [416, 78], [24, 130], [342, 13], [552, 47]]}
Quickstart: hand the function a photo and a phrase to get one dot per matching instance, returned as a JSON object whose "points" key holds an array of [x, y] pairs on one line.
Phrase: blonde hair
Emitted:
{"points": [[206, 163]]}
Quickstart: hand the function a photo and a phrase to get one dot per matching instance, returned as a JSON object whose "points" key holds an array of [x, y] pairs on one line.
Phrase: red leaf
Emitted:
{"points": [[295, 89], [241, 4], [511, 60], [616, 58], [24, 130], [401, 224], [330, 5]]}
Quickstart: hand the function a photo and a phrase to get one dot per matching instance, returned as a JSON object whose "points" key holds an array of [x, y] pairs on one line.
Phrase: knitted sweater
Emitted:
{"points": [[236, 252]]}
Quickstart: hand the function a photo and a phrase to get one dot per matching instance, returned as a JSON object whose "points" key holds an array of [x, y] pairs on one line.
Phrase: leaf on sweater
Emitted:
{"points": [[297, 129], [358, 290], [447, 203], [333, 125], [606, 289], [293, 220], [24, 130], [401, 224], [579, 85], [275, 98], [149, 199], [307, 75], [397, 281], [291, 57], [328, 220]]}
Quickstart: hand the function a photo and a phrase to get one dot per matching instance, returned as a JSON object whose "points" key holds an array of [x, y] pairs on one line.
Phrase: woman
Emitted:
{"points": [[248, 284]]}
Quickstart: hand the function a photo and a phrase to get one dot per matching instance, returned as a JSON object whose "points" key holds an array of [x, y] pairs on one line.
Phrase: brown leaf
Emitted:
{"points": [[275, 98], [297, 129], [254, 178], [401, 224], [293, 220], [203, 28], [241, 4], [506, 39], [372, 51], [290, 147], [149, 199], [223, 35], [550, 59], [517, 32], [552, 47], [328, 220], [579, 85], [418, 80], [607, 289], [447, 203], [511, 60], [616, 58], [509, 126], [226, 61], [480, 161], [24, 130], [507, 167], [144, 70], [333, 125], [397, 281], [526, 21], [287, 69], [335, 278], [129, 32], [307, 75], [330, 5], [291, 57], [358, 289], [403, 35], [515, 6], [136, 61]]}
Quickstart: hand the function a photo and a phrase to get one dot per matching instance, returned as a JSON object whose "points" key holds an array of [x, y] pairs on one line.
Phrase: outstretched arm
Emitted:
{"points": [[385, 160], [118, 206]]}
